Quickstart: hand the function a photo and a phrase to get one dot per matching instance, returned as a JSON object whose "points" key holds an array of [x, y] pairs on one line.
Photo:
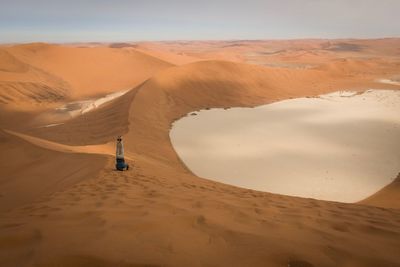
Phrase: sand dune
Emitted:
{"points": [[264, 52], [22, 83], [106, 149], [100, 125], [31, 172], [91, 71], [8, 63], [74, 209], [55, 73], [387, 197], [176, 58]]}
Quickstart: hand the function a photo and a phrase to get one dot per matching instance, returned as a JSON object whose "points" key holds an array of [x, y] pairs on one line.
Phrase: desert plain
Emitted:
{"points": [[62, 203]]}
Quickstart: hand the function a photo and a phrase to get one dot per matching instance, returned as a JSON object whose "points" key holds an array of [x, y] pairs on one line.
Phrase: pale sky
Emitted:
{"points": [[124, 20]]}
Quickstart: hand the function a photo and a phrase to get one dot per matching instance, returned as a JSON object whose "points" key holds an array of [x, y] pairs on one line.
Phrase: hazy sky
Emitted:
{"points": [[124, 20]]}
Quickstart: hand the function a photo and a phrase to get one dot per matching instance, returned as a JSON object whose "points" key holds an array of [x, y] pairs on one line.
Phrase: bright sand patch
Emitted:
{"points": [[388, 81], [81, 107], [70, 110], [342, 146]]}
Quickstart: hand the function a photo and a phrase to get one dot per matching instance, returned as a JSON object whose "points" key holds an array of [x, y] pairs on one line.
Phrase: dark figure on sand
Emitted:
{"points": [[120, 160]]}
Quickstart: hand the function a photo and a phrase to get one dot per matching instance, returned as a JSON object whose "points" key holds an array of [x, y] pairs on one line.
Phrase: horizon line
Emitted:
{"points": [[200, 40]]}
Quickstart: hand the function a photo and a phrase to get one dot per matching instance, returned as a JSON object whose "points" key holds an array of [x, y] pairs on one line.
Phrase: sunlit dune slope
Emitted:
{"points": [[387, 197], [8, 63], [22, 83]]}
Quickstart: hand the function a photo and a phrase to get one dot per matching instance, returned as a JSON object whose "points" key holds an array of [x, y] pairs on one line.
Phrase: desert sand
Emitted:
{"points": [[63, 204], [307, 147]]}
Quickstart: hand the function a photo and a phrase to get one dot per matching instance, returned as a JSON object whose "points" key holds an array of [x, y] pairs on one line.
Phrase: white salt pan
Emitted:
{"points": [[333, 147]]}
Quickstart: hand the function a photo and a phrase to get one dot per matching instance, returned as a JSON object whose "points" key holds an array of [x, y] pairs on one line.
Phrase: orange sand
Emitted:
{"points": [[63, 206]]}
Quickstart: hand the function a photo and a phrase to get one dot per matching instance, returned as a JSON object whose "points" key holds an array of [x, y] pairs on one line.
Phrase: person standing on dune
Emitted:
{"points": [[120, 164]]}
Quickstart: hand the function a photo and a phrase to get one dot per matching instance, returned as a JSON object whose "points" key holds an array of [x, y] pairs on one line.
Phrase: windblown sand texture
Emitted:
{"points": [[63, 204]]}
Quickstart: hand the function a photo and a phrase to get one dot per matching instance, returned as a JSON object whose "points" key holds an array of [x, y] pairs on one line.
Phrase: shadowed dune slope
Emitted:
{"points": [[29, 172], [8, 63], [97, 126]]}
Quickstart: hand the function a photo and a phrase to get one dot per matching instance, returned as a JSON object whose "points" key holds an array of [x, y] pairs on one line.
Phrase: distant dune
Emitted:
{"points": [[78, 72]]}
